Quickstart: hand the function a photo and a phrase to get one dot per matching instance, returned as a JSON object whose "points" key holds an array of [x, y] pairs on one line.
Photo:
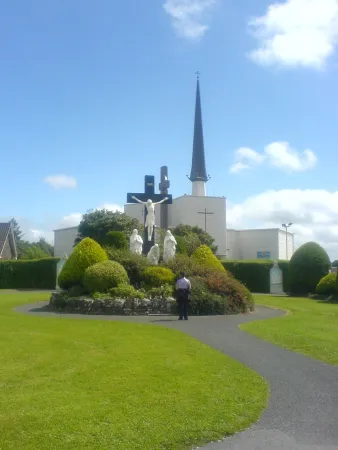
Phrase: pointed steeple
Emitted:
{"points": [[198, 169]]}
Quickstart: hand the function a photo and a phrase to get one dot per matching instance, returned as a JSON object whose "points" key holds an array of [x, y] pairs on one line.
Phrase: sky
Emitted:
{"points": [[95, 95]]}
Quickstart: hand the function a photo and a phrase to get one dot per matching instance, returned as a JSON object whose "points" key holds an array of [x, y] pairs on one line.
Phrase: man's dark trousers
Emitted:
{"points": [[183, 301]]}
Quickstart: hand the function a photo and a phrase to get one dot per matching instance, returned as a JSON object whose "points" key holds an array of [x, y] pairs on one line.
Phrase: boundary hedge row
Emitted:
{"points": [[255, 275], [31, 274]]}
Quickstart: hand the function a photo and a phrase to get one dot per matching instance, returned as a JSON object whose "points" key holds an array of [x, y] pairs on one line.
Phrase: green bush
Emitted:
{"points": [[181, 247], [204, 257], [104, 275], [31, 274], [308, 265], [238, 297], [164, 291], [134, 264], [202, 301], [183, 263], [85, 254], [116, 239], [327, 285], [126, 291], [255, 275], [156, 276]]}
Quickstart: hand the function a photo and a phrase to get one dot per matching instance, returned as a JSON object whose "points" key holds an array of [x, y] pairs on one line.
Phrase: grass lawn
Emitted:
{"points": [[82, 384], [311, 327]]}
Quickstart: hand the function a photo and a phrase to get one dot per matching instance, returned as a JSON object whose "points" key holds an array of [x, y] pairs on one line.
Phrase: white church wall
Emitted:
{"points": [[258, 244], [253, 244], [186, 210], [64, 240], [282, 244]]}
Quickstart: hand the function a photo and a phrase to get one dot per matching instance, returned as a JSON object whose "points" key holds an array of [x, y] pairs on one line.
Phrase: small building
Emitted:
{"points": [[8, 249], [64, 239], [269, 243]]}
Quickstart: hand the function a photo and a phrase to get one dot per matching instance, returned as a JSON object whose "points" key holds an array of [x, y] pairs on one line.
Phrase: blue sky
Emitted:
{"points": [[96, 95]]}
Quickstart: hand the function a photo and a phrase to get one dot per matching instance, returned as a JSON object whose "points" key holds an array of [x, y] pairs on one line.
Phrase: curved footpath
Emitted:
{"points": [[303, 408]]}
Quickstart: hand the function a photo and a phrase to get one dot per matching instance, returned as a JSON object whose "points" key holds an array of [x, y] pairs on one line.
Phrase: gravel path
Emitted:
{"points": [[303, 408]]}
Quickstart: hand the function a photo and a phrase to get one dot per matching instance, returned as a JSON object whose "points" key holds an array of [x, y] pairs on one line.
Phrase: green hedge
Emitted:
{"points": [[255, 275], [31, 274]]}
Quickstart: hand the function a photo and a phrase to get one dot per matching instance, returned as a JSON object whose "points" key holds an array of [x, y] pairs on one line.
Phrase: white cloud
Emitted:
{"points": [[189, 17], [61, 181], [245, 158], [296, 33], [276, 154], [313, 212]]}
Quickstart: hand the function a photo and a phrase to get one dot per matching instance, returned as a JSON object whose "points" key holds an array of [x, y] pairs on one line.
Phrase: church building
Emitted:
{"points": [[209, 213]]}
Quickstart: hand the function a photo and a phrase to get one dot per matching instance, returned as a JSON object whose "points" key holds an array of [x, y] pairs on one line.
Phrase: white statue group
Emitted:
{"points": [[136, 244]]}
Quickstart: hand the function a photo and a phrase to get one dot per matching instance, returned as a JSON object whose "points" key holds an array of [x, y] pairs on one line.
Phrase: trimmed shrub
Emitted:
{"points": [[327, 285], [156, 276], [255, 275], [204, 257], [308, 265], [116, 239], [104, 275], [85, 254], [134, 264], [32, 274]]}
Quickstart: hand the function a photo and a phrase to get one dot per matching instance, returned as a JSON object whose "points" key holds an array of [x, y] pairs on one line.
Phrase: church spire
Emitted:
{"points": [[198, 174]]}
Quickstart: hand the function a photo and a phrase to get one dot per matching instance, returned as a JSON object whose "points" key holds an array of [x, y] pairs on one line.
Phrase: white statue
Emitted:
{"points": [[154, 255], [276, 279], [150, 220], [169, 247], [135, 243]]}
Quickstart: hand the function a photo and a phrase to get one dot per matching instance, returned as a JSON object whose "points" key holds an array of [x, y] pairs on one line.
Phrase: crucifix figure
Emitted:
{"points": [[205, 212], [149, 199], [150, 219]]}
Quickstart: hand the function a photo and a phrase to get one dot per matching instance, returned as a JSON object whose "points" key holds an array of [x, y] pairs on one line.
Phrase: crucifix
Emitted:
{"points": [[205, 212], [149, 199]]}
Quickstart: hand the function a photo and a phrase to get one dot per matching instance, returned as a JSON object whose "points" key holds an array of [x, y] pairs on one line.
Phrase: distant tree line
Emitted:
{"points": [[30, 250]]}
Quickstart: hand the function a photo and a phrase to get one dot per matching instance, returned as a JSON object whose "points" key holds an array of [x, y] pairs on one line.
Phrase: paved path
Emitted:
{"points": [[303, 408]]}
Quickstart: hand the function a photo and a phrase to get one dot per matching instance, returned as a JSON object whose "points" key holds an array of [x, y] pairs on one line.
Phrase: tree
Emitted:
{"points": [[96, 224], [33, 251], [45, 246], [335, 263], [30, 250], [191, 232], [21, 245]]}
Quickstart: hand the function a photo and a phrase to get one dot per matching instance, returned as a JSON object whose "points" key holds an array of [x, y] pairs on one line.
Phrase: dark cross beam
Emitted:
{"points": [[163, 187], [205, 212], [198, 74], [149, 193]]}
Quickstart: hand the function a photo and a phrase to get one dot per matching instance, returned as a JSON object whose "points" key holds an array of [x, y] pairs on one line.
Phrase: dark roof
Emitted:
{"points": [[6, 232], [198, 169]]}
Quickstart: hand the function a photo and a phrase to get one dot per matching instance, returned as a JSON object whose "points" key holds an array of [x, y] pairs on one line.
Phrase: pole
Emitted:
{"points": [[286, 240]]}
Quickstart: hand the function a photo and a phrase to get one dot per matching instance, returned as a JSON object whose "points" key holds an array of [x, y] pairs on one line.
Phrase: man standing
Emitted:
{"points": [[183, 289]]}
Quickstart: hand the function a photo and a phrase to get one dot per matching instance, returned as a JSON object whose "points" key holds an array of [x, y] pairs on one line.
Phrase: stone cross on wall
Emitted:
{"points": [[149, 199]]}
